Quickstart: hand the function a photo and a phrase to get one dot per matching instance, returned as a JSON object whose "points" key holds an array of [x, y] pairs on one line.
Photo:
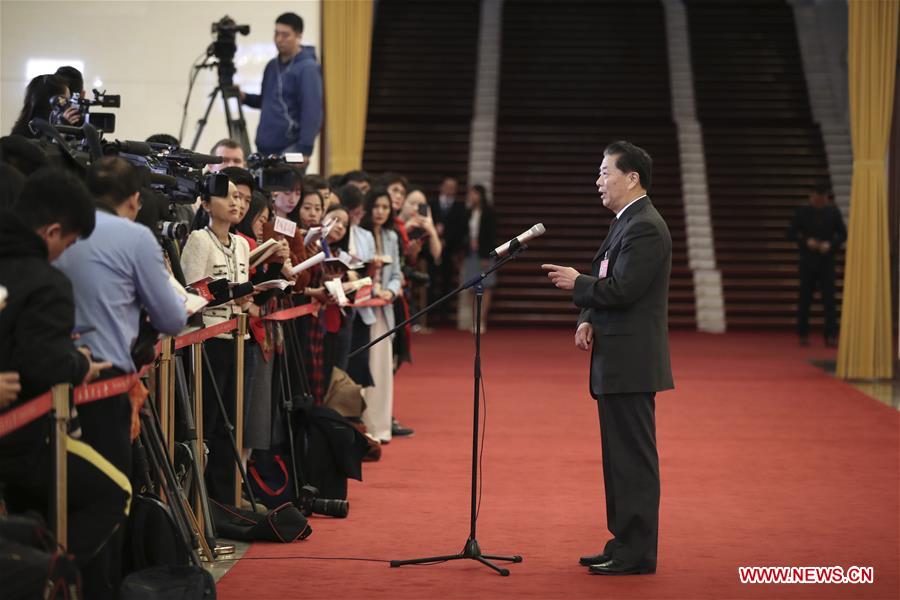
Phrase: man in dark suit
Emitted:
{"points": [[449, 215], [819, 231], [624, 315]]}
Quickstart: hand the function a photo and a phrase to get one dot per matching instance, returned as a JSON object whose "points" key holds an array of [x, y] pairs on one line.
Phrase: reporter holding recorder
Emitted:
{"points": [[624, 315]]}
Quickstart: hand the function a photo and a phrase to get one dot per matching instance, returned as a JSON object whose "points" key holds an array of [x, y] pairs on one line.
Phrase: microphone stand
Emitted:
{"points": [[471, 550]]}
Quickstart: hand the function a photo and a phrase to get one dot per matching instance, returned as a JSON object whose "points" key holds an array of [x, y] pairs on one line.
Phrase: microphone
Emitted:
{"points": [[513, 244], [134, 147]]}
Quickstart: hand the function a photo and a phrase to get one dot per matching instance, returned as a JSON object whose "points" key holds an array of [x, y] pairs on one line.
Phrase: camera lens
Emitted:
{"points": [[174, 230], [331, 508]]}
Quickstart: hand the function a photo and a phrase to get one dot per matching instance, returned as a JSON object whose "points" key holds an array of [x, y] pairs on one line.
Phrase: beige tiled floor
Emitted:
{"points": [[885, 391]]}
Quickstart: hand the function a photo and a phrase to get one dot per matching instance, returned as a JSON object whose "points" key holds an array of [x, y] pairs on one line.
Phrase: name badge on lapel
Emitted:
{"points": [[604, 267]]}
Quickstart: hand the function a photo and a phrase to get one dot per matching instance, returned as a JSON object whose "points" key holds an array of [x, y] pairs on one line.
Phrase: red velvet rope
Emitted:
{"points": [[37, 407]]}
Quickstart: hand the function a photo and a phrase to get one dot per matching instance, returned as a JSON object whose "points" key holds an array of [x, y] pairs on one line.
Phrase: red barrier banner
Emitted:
{"points": [[25, 414], [370, 303], [195, 337], [292, 313], [84, 394]]}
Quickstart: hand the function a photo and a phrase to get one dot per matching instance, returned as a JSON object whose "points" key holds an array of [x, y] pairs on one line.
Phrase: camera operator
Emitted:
{"points": [[116, 273], [75, 82], [73, 78], [35, 341], [40, 91], [291, 96]]}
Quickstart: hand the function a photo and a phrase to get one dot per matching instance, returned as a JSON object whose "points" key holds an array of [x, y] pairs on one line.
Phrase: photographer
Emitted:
{"points": [[40, 91], [116, 273], [75, 82], [53, 211], [291, 96]]}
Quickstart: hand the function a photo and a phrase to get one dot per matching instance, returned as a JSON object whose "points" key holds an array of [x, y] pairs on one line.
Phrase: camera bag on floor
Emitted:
{"points": [[170, 582], [331, 450], [283, 524], [31, 565], [151, 537], [269, 473]]}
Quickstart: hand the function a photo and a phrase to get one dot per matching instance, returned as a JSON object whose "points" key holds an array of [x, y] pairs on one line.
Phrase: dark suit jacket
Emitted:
{"points": [[629, 308], [823, 224], [455, 225]]}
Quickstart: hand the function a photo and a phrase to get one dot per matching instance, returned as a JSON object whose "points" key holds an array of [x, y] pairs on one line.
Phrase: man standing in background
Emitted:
{"points": [[291, 96], [449, 216], [818, 228], [231, 153]]}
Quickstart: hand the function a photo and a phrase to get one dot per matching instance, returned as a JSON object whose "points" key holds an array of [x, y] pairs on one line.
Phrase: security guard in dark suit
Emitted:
{"points": [[818, 228], [624, 316]]}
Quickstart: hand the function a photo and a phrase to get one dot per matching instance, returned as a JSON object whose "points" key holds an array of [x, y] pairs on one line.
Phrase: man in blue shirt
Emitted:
{"points": [[291, 94], [115, 273]]}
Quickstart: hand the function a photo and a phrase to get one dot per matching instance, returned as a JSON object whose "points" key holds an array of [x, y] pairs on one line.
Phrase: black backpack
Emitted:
{"points": [[31, 564], [171, 583]]}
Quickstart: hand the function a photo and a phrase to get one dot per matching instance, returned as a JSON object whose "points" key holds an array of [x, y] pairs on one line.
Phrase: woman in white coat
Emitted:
{"points": [[386, 283]]}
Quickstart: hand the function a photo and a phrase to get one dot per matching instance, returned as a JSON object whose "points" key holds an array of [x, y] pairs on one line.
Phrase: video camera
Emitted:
{"points": [[174, 174], [225, 47], [103, 121], [275, 173]]}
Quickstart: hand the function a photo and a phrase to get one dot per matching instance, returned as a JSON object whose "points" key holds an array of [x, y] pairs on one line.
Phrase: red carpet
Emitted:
{"points": [[765, 460]]}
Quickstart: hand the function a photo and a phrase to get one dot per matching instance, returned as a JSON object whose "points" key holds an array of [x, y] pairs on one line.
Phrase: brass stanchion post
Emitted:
{"points": [[197, 350], [61, 394], [165, 395], [239, 399]]}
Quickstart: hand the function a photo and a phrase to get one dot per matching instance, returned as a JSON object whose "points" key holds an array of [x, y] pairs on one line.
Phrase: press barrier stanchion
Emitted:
{"points": [[197, 353], [239, 335], [165, 394], [61, 395], [57, 402]]}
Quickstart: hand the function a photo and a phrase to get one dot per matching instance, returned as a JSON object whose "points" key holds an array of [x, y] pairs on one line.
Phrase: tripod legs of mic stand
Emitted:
{"points": [[471, 550]]}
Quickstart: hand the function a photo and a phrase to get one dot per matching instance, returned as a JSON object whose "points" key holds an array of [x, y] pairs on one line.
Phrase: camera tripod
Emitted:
{"points": [[471, 550], [237, 126]]}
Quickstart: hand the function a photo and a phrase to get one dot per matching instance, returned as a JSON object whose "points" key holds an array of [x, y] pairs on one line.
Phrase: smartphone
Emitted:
{"points": [[416, 234], [423, 209]]}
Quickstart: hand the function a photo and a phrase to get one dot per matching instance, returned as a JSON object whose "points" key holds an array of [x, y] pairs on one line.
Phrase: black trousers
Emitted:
{"points": [[817, 271], [630, 475], [221, 463], [106, 427]]}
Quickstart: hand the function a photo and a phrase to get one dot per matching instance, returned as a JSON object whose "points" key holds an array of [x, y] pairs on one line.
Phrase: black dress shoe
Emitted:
{"points": [[586, 561], [618, 567], [398, 430]]}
